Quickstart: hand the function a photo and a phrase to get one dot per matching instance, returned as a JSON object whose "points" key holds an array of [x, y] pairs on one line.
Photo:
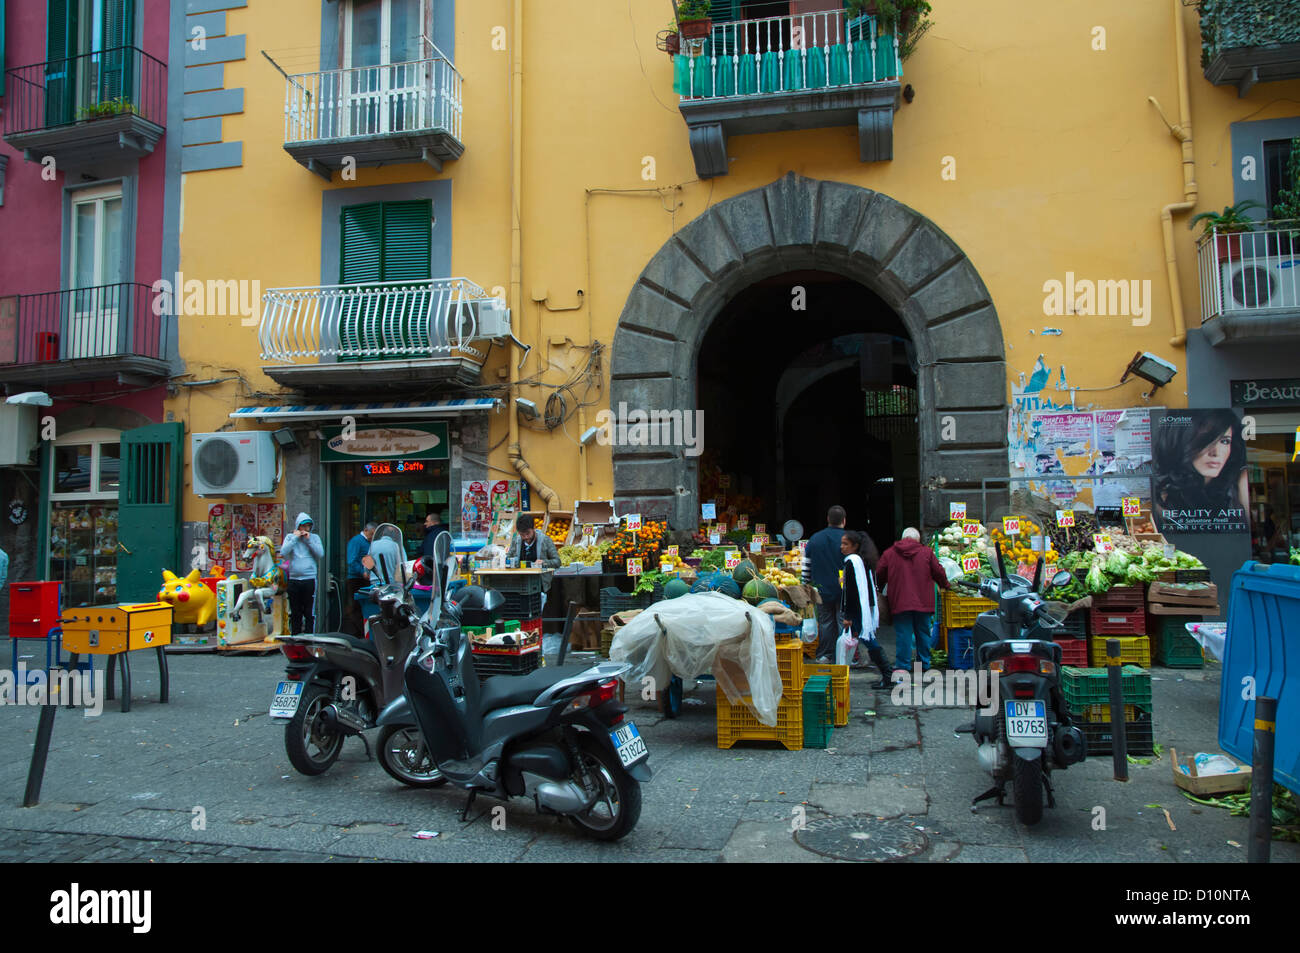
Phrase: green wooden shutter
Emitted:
{"points": [[60, 68], [385, 241], [3, 84], [361, 257], [408, 241], [117, 31], [149, 499], [722, 11]]}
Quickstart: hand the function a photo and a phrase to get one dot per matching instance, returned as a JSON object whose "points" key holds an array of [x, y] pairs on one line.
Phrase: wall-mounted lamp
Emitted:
{"points": [[1147, 366], [285, 439], [527, 408], [589, 435]]}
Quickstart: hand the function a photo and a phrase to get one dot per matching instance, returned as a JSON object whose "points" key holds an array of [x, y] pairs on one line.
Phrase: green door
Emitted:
{"points": [[384, 242], [149, 501]]}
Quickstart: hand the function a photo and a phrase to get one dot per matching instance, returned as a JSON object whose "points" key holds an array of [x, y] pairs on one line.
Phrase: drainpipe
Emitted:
{"points": [[513, 452], [1183, 133]]}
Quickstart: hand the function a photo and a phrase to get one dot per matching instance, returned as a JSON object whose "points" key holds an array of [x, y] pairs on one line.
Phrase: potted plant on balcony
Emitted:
{"points": [[669, 40], [694, 18], [1231, 221], [109, 107], [908, 19]]}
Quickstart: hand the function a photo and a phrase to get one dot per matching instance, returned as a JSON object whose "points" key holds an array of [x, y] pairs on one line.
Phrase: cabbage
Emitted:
{"points": [[1096, 581], [1153, 554], [1117, 563], [1137, 572]]}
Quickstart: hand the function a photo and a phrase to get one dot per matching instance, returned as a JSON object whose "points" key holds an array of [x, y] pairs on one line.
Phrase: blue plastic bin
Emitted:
{"points": [[960, 653], [1263, 643]]}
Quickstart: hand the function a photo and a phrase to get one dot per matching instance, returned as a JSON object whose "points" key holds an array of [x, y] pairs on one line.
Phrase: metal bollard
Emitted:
{"points": [[41, 750], [1261, 781], [1118, 735]]}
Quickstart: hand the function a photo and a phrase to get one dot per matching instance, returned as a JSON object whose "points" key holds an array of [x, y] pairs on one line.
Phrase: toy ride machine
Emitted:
{"points": [[253, 611]]}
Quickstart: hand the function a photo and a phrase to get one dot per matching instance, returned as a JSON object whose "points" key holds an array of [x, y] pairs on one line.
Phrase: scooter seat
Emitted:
{"points": [[364, 645], [502, 691]]}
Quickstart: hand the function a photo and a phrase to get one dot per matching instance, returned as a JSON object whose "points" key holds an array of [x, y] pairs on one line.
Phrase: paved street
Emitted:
{"points": [[126, 787]]}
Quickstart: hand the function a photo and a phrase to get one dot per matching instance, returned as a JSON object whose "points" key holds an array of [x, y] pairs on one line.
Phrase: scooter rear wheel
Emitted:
{"points": [[1027, 786], [618, 804], [312, 746], [404, 755]]}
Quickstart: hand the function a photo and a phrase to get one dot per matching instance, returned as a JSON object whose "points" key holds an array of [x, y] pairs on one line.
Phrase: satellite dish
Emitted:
{"points": [[792, 530]]}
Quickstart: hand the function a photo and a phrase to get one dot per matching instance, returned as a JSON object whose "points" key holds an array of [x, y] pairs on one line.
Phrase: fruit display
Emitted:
{"points": [[1018, 548], [678, 564], [1122, 568], [558, 529], [710, 559], [644, 544], [779, 577], [757, 590], [587, 555]]}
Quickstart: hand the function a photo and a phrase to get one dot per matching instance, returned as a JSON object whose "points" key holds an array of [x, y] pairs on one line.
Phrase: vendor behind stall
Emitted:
{"points": [[530, 548]]}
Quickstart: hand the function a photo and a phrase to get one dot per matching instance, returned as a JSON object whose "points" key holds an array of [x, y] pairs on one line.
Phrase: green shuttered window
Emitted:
{"points": [[385, 242]]}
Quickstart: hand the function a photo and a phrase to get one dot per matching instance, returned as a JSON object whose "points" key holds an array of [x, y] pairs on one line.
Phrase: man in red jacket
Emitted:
{"points": [[909, 571]]}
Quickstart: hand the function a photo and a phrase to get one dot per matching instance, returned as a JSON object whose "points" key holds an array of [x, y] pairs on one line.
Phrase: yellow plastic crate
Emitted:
{"points": [[960, 612], [1133, 650], [1101, 713], [738, 723], [790, 663], [839, 687]]}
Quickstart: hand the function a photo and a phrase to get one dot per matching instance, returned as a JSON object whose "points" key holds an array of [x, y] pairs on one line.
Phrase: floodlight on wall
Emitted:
{"points": [[284, 439], [1155, 370], [589, 435], [527, 408]]}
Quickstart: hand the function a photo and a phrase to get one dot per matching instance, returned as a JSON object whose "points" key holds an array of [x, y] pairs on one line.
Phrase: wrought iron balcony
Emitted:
{"points": [[376, 115], [805, 71], [1250, 283], [89, 108], [1244, 42], [385, 334], [83, 334]]}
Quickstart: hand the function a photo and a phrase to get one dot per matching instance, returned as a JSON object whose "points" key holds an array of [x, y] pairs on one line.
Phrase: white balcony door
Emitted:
{"points": [[388, 88], [95, 304]]}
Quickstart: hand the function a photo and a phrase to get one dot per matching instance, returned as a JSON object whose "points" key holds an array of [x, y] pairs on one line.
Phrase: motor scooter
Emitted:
{"points": [[557, 735]]}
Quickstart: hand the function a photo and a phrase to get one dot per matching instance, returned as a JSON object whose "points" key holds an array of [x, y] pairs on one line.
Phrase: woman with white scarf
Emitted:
{"points": [[861, 606]]}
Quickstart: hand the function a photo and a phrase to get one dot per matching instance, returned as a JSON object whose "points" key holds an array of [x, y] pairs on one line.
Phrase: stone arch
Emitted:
{"points": [[800, 223]]}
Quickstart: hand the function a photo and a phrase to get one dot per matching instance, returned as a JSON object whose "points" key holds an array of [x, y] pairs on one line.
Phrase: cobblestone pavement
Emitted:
{"points": [[133, 786]]}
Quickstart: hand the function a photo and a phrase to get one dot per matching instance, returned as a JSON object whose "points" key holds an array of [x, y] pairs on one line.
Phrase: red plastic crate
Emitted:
{"points": [[1074, 652], [1118, 622], [34, 609], [1122, 598]]}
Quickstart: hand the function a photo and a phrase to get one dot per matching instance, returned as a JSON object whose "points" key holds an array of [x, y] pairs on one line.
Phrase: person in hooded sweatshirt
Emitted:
{"points": [[909, 572], [303, 550], [859, 606]]}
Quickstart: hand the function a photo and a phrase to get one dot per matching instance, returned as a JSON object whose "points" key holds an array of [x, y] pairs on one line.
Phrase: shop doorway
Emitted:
{"points": [[807, 381], [386, 492]]}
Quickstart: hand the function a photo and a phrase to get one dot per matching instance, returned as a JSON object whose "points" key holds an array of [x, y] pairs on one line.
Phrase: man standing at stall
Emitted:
{"points": [[358, 546], [825, 562], [909, 571]]}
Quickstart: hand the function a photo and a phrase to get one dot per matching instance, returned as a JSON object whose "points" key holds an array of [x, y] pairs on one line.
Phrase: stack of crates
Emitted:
{"points": [[1087, 693], [1073, 640], [522, 593], [1175, 647], [1120, 612], [818, 712], [839, 676], [518, 659], [738, 722], [959, 612]]}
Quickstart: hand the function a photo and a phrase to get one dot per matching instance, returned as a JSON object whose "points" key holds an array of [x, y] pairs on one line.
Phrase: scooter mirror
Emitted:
{"points": [[1061, 579]]}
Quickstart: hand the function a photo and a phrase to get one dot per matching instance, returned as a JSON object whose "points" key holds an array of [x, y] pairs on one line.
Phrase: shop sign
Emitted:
{"points": [[1281, 392], [970, 564], [755, 546], [715, 539], [1102, 541], [672, 551], [722, 529], [760, 529], [761, 538], [970, 529], [742, 521], [410, 441], [634, 522]]}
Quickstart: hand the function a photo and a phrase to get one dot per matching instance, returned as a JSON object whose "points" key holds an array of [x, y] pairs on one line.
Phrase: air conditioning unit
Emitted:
{"points": [[17, 434], [1258, 284], [225, 464], [478, 320]]}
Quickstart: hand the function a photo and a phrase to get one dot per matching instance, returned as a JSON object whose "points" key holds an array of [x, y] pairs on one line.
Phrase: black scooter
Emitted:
{"points": [[557, 735], [1030, 732]]}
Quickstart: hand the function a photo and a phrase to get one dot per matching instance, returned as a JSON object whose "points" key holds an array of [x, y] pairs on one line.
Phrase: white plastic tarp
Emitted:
{"points": [[706, 632]]}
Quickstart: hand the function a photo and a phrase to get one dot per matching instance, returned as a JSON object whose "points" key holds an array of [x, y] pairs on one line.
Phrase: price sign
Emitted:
{"points": [[667, 568], [634, 522], [803, 547], [724, 481], [742, 521], [760, 529], [722, 529], [970, 529], [761, 538], [672, 551], [1011, 525], [970, 564], [732, 559], [956, 512], [1050, 572], [1103, 540], [1132, 506], [715, 539], [1065, 518], [634, 566], [755, 546], [708, 511]]}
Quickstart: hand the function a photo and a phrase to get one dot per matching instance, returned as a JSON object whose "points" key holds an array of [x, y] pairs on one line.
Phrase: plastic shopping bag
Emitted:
{"points": [[846, 649]]}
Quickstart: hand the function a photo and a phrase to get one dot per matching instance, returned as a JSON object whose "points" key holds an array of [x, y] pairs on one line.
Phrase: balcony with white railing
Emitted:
{"points": [[375, 115], [803, 71], [383, 335], [1250, 282]]}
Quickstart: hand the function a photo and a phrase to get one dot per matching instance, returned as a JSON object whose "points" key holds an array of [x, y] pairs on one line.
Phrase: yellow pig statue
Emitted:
{"points": [[193, 600]]}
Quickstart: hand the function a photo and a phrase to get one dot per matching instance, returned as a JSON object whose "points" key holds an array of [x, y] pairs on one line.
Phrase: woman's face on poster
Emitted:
{"points": [[1209, 462]]}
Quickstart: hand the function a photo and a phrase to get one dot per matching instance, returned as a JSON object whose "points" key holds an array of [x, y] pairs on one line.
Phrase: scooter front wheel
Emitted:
{"points": [[312, 745], [405, 756], [1027, 786], [618, 794]]}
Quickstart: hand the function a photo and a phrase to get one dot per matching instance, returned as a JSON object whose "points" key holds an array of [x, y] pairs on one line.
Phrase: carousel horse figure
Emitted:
{"points": [[267, 580]]}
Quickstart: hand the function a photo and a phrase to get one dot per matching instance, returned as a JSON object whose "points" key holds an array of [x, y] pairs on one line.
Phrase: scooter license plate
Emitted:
{"points": [[1027, 724], [629, 744], [285, 702]]}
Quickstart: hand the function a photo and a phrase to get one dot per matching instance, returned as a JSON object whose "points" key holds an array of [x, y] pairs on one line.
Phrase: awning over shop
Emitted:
{"points": [[426, 408]]}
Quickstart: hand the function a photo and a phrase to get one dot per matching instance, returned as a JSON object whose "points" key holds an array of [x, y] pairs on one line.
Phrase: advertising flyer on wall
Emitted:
{"points": [[1199, 481]]}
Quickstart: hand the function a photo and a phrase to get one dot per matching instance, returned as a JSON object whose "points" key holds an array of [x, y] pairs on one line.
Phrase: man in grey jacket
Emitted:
{"points": [[303, 550]]}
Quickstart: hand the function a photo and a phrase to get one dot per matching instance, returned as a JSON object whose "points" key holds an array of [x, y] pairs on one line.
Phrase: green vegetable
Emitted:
{"points": [[1117, 563], [1096, 581], [1137, 573]]}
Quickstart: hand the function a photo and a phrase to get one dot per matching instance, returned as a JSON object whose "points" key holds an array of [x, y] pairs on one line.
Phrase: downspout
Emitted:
{"points": [[513, 452], [1183, 133]]}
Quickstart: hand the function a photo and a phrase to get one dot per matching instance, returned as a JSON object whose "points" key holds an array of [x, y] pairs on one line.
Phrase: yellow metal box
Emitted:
{"points": [[107, 630]]}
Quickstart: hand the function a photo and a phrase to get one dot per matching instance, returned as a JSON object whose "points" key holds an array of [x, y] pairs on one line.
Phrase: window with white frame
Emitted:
{"points": [[86, 465]]}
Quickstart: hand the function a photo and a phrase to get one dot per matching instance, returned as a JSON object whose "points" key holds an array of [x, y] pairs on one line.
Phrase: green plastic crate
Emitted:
{"points": [[1090, 686], [1175, 646], [818, 712]]}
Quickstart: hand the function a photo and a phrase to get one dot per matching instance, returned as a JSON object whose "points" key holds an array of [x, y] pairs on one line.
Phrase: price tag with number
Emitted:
{"points": [[732, 559], [1103, 540], [970, 564], [634, 566], [1065, 518], [1132, 506], [722, 529], [970, 529], [715, 539], [760, 529], [1011, 525], [755, 546], [1050, 572], [957, 512], [762, 538], [667, 568], [708, 511], [634, 522], [672, 551], [803, 547], [742, 521]]}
